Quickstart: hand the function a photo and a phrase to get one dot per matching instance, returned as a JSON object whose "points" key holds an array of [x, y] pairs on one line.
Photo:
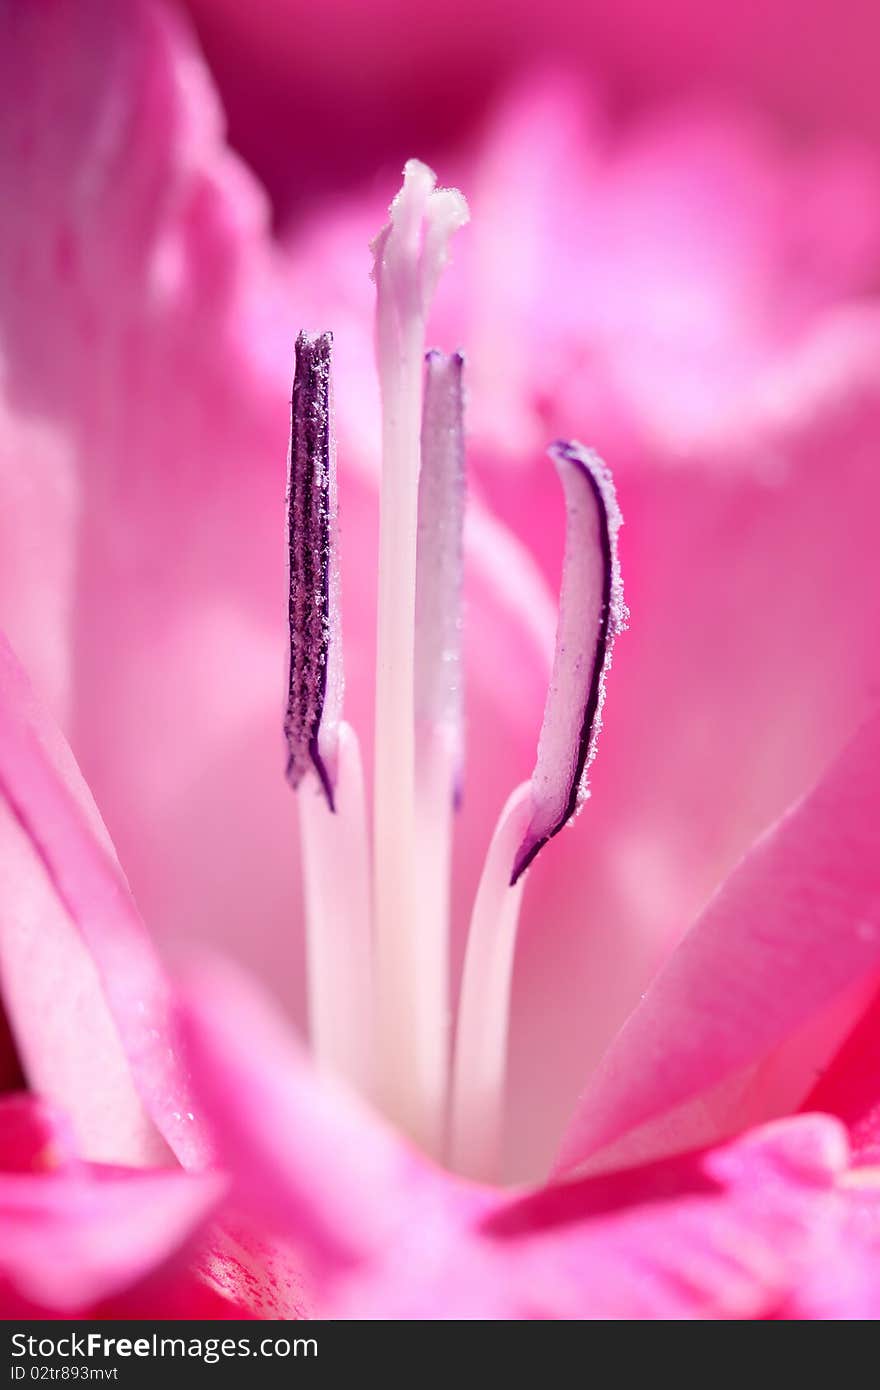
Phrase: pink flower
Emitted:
{"points": [[147, 320]]}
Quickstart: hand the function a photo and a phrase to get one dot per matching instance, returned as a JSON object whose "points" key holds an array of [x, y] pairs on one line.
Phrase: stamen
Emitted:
{"points": [[324, 761], [409, 256], [336, 882], [591, 614], [315, 677], [438, 693], [477, 1112], [418, 731]]}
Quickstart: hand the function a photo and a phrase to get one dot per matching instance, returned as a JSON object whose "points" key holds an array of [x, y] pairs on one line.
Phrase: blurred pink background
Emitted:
{"points": [[364, 78]]}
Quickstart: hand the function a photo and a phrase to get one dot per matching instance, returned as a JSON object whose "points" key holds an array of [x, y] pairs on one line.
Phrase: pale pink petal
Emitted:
{"points": [[82, 986], [795, 926], [653, 347], [844, 1283], [146, 345]]}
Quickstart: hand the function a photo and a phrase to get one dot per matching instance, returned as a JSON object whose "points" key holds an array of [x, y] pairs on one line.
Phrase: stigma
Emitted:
{"points": [[377, 887]]}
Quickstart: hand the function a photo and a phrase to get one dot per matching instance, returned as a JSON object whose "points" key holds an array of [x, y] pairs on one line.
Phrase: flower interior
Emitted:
{"points": [[377, 895]]}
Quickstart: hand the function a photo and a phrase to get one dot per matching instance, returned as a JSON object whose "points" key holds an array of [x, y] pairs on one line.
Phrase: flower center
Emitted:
{"points": [[377, 927]]}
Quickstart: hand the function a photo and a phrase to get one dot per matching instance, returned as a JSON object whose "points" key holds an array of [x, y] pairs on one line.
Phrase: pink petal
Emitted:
{"points": [[655, 348], [725, 1233], [83, 988], [748, 1230], [741, 1231], [314, 1170], [743, 719], [146, 344], [70, 1241], [795, 926]]}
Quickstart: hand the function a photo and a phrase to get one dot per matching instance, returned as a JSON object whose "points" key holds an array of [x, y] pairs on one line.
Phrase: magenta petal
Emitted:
{"points": [[738, 1231], [731, 1232], [309, 1160], [34, 1136], [743, 1230], [85, 993], [70, 1241], [591, 613], [793, 928], [850, 1086]]}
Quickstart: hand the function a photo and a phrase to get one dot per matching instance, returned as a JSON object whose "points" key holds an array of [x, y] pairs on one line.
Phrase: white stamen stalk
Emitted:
{"points": [[410, 1057], [336, 875], [438, 684], [480, 1066], [436, 767]]}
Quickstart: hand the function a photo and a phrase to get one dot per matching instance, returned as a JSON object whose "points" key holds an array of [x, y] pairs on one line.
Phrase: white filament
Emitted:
{"points": [[479, 1070], [438, 692], [336, 875]]}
